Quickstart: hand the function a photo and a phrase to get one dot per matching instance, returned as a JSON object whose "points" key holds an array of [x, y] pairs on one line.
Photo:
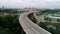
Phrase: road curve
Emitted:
{"points": [[29, 27]]}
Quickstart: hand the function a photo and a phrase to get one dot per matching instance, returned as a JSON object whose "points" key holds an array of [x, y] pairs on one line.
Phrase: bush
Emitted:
{"points": [[11, 22], [57, 25], [31, 17]]}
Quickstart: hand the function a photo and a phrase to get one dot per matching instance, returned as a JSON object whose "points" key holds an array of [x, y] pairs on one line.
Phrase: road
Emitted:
{"points": [[29, 27]]}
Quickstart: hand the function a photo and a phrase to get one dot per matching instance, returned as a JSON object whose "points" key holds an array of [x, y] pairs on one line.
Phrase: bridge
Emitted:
{"points": [[29, 27]]}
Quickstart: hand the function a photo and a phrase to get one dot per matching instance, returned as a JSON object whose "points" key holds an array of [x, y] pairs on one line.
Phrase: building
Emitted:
{"points": [[30, 9]]}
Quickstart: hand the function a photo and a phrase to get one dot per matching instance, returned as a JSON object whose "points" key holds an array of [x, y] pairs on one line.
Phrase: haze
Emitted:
{"points": [[30, 3]]}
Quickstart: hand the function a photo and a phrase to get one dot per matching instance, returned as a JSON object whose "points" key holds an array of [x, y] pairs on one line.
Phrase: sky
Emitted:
{"points": [[30, 3]]}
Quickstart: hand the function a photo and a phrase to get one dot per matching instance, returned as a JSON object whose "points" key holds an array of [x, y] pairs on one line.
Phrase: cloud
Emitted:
{"points": [[30, 3]]}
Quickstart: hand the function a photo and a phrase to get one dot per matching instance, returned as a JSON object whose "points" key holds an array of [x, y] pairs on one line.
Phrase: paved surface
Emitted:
{"points": [[29, 27]]}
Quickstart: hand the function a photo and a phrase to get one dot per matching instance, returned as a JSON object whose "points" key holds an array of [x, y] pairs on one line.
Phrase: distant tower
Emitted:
{"points": [[3, 7]]}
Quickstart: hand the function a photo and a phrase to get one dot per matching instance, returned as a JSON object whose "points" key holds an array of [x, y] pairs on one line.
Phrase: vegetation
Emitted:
{"points": [[45, 24], [9, 24], [31, 17], [51, 11], [8, 10], [57, 25]]}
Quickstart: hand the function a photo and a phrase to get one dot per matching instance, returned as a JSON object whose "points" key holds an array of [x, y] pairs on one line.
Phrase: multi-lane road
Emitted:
{"points": [[29, 27]]}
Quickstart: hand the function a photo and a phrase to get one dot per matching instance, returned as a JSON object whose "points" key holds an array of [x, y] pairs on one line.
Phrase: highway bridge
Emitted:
{"points": [[29, 27]]}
